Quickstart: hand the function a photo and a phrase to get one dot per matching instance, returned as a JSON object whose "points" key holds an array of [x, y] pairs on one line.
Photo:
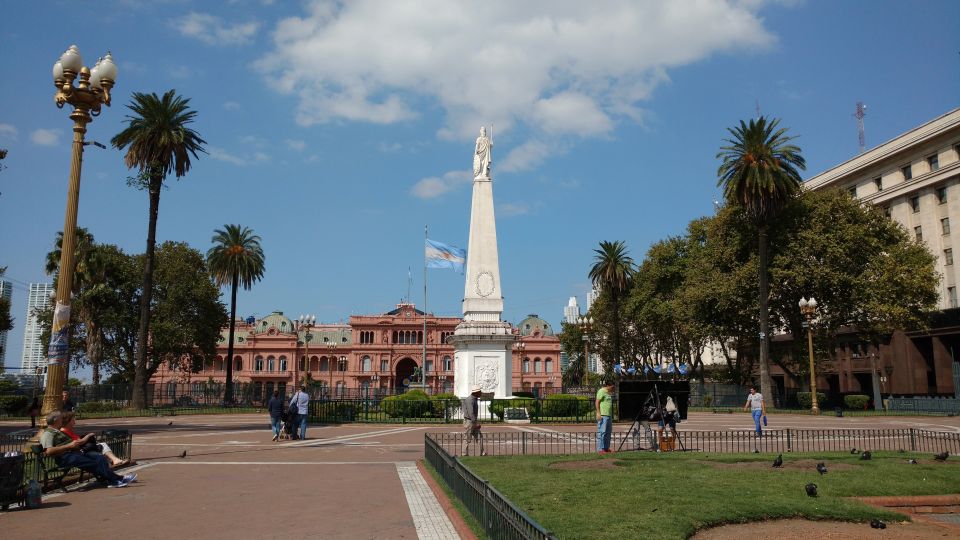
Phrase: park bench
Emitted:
{"points": [[48, 471]]}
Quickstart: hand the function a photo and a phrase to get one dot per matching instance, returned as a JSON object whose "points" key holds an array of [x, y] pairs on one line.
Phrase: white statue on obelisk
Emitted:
{"points": [[482, 342]]}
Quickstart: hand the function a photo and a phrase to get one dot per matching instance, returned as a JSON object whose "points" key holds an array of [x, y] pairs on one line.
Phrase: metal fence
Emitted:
{"points": [[500, 518], [389, 409], [930, 404], [772, 441]]}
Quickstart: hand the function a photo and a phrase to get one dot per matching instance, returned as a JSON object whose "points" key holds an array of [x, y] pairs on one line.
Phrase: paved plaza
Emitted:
{"points": [[344, 481]]}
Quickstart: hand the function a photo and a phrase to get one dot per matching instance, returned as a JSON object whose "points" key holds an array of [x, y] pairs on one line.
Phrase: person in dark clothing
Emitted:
{"points": [[34, 411], [67, 403], [275, 408], [66, 452], [471, 422]]}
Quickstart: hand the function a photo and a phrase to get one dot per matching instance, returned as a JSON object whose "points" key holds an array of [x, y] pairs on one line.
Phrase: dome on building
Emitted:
{"points": [[535, 326], [274, 320]]}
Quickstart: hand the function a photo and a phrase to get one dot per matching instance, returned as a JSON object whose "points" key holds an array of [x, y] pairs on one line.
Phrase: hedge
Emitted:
{"points": [[335, 410], [856, 401], [13, 405], [803, 398], [99, 406], [413, 404], [532, 406], [566, 405]]}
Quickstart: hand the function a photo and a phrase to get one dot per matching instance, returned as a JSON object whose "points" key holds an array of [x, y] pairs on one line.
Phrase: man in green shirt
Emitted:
{"points": [[604, 406], [66, 452]]}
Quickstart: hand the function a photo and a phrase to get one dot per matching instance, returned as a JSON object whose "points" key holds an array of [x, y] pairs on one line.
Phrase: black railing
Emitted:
{"points": [[500, 518], [390, 409], [772, 441]]}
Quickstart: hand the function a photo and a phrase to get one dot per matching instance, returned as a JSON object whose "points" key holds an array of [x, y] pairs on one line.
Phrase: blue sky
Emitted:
{"points": [[336, 132]]}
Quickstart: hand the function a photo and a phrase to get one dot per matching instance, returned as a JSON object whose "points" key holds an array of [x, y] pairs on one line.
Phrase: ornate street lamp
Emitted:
{"points": [[585, 324], [333, 352], [809, 309], [92, 91], [519, 346], [304, 323]]}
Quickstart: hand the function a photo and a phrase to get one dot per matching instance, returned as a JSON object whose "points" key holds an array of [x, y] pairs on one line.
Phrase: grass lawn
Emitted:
{"points": [[672, 495]]}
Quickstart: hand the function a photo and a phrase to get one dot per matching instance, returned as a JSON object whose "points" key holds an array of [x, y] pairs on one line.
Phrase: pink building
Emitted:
{"points": [[371, 352]]}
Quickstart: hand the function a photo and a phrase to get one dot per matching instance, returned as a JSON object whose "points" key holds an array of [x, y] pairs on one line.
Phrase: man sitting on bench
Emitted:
{"points": [[66, 452]]}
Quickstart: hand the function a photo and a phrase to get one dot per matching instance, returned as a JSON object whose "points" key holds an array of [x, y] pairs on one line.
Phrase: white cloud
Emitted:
{"points": [[512, 209], [559, 70], [295, 144], [8, 131], [213, 30], [527, 156], [231, 105], [222, 155], [46, 137], [260, 156], [433, 186]]}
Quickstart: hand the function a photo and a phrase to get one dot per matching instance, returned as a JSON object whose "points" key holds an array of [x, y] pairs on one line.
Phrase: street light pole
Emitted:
{"points": [[809, 308], [585, 323], [333, 357], [305, 323], [519, 347], [92, 91]]}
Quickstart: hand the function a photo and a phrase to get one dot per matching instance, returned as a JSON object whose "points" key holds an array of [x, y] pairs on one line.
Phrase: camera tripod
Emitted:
{"points": [[651, 409]]}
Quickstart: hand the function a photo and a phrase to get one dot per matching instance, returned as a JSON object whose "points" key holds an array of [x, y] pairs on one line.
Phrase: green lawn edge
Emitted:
{"points": [[457, 503]]}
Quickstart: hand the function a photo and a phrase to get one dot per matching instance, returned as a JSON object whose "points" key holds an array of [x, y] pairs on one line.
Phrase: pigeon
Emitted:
{"points": [[811, 489], [821, 468], [170, 424], [779, 461], [912, 461], [866, 455], [942, 456], [902, 451], [183, 455], [755, 451], [853, 451], [877, 524]]}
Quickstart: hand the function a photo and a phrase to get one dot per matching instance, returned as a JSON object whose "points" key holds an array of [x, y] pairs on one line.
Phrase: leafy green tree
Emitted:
{"points": [[6, 321], [73, 381], [235, 258], [159, 141], [759, 172], [571, 342], [611, 273]]}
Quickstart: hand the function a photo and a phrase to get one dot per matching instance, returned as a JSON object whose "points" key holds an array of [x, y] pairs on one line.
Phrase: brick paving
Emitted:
{"points": [[428, 517]]}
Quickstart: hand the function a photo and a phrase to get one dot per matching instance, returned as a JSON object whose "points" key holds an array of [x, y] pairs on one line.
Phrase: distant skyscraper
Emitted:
{"points": [[34, 355], [6, 292], [592, 297], [572, 311]]}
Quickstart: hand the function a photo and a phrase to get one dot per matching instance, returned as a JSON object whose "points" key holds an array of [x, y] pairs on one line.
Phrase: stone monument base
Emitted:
{"points": [[483, 357]]}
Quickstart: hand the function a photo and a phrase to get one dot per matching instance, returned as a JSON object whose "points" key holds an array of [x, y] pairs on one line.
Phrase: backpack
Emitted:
{"points": [[294, 409]]}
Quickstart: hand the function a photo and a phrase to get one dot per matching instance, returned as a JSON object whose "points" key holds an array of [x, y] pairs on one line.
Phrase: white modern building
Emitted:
{"points": [[592, 297], [915, 178], [6, 292], [571, 311], [34, 352]]}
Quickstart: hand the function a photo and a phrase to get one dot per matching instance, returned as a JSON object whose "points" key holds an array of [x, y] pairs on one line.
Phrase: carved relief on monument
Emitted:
{"points": [[486, 375]]}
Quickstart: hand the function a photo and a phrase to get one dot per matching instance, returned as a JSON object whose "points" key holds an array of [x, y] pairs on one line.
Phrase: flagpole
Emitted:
{"points": [[424, 371]]}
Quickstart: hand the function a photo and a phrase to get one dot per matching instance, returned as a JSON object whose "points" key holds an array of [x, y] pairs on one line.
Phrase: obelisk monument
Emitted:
{"points": [[482, 342]]}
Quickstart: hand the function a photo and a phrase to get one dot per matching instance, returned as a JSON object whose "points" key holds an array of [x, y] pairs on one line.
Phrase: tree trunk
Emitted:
{"points": [[766, 386], [140, 379], [228, 392]]}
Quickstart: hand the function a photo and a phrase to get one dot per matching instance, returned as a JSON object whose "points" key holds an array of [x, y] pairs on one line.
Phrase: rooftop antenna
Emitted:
{"points": [[756, 103], [861, 112], [409, 284]]}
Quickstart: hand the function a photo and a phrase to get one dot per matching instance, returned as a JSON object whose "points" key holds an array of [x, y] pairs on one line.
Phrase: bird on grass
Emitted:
{"points": [[779, 461], [853, 451], [878, 524], [902, 451], [183, 455], [912, 461], [866, 455], [821, 468], [755, 451], [811, 490], [169, 423], [942, 456]]}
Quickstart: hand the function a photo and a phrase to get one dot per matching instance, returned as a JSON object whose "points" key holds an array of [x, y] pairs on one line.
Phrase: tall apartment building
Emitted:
{"points": [[592, 297], [571, 311], [6, 292], [34, 352]]}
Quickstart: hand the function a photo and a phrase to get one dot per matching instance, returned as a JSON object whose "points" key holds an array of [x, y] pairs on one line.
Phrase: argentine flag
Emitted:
{"points": [[443, 256]]}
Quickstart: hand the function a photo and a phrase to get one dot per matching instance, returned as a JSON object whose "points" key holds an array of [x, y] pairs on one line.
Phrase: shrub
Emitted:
{"points": [[707, 400], [445, 405], [98, 406], [14, 404], [498, 406], [856, 401], [413, 404], [566, 405], [803, 398], [523, 394], [333, 411]]}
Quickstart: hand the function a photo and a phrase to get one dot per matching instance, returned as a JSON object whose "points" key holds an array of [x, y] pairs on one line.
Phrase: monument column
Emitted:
{"points": [[482, 342]]}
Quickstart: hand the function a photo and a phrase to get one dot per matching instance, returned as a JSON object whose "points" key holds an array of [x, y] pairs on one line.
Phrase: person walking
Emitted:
{"points": [[471, 421], [275, 408], [68, 405], [34, 412], [300, 400], [757, 406], [604, 406]]}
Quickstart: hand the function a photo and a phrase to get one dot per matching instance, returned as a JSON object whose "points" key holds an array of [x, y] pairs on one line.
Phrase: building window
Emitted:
{"points": [[384, 365], [258, 364], [271, 363], [548, 365], [366, 364], [283, 363], [918, 233], [238, 365], [429, 366], [948, 256], [952, 296], [852, 190], [526, 365], [887, 212], [447, 363], [942, 194], [907, 172], [945, 225], [536, 365], [878, 182], [915, 204], [934, 162]]}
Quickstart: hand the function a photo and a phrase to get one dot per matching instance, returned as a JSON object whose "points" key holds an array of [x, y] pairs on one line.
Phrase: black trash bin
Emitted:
{"points": [[839, 412], [11, 480]]}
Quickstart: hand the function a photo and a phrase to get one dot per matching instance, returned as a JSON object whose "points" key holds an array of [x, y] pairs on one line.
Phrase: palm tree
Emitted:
{"points": [[235, 258], [160, 141], [612, 271], [759, 173]]}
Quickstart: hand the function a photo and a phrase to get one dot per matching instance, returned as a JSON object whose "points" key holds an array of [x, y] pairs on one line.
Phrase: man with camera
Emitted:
{"points": [[66, 452]]}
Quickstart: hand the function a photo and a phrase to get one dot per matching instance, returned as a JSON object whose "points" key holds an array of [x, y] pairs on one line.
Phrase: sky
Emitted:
{"points": [[337, 131]]}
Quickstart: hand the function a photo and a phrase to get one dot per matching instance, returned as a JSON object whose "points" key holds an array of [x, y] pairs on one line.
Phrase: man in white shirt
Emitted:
{"points": [[301, 400], [756, 405]]}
